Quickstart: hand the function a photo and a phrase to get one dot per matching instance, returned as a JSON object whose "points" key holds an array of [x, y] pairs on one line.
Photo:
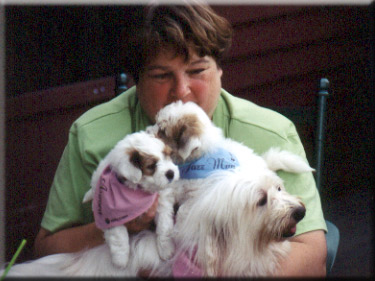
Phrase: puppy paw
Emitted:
{"points": [[166, 248], [120, 259]]}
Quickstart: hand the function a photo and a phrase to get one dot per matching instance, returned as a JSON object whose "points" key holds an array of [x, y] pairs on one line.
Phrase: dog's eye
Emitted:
{"points": [[278, 188], [151, 166], [161, 133], [263, 200]]}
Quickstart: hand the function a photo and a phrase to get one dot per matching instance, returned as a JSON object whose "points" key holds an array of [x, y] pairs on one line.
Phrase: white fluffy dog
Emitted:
{"points": [[232, 222], [235, 225]]}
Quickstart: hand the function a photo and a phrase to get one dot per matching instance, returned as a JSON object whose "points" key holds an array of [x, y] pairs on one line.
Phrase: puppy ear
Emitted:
{"points": [[188, 134], [133, 171], [277, 159], [152, 130], [189, 147]]}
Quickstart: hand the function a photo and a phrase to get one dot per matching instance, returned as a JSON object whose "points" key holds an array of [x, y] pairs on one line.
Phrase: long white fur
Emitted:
{"points": [[284, 160]]}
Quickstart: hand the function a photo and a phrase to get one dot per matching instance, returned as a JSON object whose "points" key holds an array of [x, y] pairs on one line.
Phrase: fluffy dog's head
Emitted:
{"points": [[143, 159], [187, 129]]}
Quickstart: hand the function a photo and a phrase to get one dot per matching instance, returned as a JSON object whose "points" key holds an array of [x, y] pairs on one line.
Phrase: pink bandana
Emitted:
{"points": [[184, 266], [115, 203]]}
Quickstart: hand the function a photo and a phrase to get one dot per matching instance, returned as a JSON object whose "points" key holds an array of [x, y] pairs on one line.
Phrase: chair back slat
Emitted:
{"points": [[320, 130]]}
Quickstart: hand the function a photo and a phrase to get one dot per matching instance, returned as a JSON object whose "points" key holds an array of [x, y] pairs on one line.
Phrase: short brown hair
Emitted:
{"points": [[177, 27]]}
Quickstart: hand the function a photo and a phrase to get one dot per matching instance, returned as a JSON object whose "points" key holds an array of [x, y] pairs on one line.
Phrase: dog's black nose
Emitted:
{"points": [[170, 175], [299, 213]]}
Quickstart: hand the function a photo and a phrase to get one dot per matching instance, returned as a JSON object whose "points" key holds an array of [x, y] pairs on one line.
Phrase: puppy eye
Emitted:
{"points": [[263, 201], [161, 133], [278, 188], [151, 166], [181, 138]]}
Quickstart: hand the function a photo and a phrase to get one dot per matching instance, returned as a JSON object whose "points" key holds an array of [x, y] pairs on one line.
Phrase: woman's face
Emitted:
{"points": [[169, 78]]}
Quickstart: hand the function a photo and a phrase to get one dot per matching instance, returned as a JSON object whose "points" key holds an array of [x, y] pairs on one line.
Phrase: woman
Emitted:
{"points": [[176, 56]]}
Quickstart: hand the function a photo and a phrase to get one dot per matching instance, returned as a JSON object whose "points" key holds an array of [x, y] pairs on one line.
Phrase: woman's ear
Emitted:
{"points": [[220, 71]]}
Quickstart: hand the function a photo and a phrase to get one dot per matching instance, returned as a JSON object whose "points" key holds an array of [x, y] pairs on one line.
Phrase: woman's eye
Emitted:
{"points": [[160, 76], [196, 71]]}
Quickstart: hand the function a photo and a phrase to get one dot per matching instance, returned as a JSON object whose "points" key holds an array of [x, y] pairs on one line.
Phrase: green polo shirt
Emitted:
{"points": [[93, 135]]}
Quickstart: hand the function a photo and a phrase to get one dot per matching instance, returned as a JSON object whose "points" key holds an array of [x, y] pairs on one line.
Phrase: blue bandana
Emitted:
{"points": [[220, 159]]}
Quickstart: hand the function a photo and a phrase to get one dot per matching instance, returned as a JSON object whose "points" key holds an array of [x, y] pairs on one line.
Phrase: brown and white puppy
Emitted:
{"points": [[140, 161], [186, 128]]}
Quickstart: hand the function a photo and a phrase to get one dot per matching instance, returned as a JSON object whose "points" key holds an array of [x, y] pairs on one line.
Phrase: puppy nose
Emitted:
{"points": [[170, 175], [299, 213]]}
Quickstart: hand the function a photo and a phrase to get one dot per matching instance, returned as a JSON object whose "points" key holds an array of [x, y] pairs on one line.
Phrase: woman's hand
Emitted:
{"points": [[144, 221]]}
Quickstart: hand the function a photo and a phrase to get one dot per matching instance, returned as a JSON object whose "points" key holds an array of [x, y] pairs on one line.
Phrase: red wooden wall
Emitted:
{"points": [[279, 54], [37, 131]]}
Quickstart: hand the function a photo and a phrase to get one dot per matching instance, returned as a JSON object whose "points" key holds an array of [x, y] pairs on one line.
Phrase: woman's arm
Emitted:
{"points": [[307, 257], [78, 238], [68, 240]]}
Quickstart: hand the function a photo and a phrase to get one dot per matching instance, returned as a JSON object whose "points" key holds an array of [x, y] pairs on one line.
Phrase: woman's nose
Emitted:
{"points": [[181, 87]]}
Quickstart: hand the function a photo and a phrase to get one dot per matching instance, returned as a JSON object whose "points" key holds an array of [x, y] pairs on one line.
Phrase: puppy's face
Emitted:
{"points": [[147, 162], [182, 135], [184, 127]]}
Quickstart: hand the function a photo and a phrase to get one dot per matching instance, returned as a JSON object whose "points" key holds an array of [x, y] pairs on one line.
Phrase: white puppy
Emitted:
{"points": [[143, 167]]}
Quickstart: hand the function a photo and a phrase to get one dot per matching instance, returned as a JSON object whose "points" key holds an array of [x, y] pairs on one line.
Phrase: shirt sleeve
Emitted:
{"points": [[303, 185], [261, 129]]}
